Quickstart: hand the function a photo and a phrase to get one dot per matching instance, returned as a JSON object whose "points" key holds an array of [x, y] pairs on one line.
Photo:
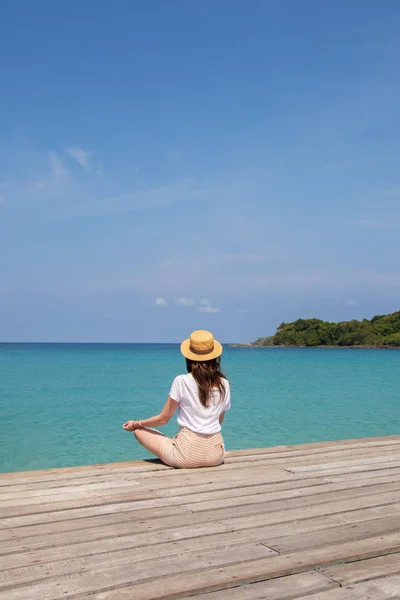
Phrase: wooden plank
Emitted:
{"points": [[295, 455], [213, 579], [276, 476], [324, 491], [268, 477], [125, 528], [319, 464], [165, 564], [201, 477], [230, 490], [66, 526], [215, 474], [80, 580], [135, 523], [302, 527], [317, 446], [126, 492], [147, 470], [135, 467], [102, 482], [146, 499], [143, 467], [75, 482], [110, 509], [266, 509], [138, 466], [290, 498], [351, 443], [269, 512], [337, 458], [246, 519], [359, 470], [122, 486], [290, 489], [168, 542], [240, 486], [284, 588], [378, 474], [195, 492], [345, 463], [381, 589], [326, 537], [364, 570], [86, 518], [218, 475], [62, 492], [174, 531]]}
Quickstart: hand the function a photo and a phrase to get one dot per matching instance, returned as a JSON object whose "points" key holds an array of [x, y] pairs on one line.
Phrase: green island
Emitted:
{"points": [[382, 331]]}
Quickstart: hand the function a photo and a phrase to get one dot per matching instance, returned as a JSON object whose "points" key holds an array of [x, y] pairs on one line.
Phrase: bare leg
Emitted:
{"points": [[151, 439]]}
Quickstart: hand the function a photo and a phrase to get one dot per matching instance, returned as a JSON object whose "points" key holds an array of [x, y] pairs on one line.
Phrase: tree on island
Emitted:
{"points": [[380, 331]]}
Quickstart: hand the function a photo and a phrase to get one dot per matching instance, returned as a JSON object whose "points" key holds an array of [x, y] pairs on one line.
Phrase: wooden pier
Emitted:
{"points": [[317, 522]]}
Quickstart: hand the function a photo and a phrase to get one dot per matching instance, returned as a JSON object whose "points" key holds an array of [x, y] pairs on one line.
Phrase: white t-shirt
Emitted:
{"points": [[191, 413]]}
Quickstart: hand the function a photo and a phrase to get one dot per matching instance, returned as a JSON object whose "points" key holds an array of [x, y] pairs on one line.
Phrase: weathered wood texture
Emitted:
{"points": [[316, 522]]}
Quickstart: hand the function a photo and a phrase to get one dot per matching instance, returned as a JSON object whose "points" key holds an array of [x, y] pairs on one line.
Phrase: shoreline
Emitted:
{"points": [[320, 346]]}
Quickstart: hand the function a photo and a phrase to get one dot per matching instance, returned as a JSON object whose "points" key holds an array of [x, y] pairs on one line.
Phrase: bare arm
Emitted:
{"points": [[162, 419], [221, 417]]}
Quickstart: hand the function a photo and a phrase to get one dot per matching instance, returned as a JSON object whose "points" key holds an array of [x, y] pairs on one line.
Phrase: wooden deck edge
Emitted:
{"points": [[229, 454]]}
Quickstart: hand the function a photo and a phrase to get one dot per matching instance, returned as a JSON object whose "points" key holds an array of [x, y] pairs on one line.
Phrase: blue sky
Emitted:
{"points": [[168, 166]]}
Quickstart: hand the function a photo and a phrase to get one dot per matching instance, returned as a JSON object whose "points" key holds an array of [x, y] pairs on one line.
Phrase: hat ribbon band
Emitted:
{"points": [[201, 352]]}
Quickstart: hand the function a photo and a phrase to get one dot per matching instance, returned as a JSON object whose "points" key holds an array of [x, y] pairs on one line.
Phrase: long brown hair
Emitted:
{"points": [[208, 376]]}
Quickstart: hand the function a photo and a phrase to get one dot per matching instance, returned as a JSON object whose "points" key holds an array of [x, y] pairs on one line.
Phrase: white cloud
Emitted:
{"points": [[206, 307], [57, 166], [184, 301], [47, 182], [209, 309], [81, 156], [351, 302], [50, 179], [161, 302]]}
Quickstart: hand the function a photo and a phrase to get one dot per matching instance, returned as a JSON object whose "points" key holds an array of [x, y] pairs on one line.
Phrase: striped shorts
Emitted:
{"points": [[190, 450]]}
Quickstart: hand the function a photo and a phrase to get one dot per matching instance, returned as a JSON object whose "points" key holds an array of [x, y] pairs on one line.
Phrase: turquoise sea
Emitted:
{"points": [[64, 404]]}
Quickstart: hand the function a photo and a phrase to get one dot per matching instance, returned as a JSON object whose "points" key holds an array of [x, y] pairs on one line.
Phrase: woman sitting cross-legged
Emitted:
{"points": [[201, 396]]}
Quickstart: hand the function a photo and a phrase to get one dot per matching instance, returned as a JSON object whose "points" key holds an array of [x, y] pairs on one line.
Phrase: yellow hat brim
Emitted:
{"points": [[187, 353]]}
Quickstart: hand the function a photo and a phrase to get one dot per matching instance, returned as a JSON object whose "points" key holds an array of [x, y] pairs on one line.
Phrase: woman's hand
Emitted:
{"points": [[129, 426]]}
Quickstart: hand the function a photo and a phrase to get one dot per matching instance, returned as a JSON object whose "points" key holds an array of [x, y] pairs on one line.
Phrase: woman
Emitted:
{"points": [[201, 396]]}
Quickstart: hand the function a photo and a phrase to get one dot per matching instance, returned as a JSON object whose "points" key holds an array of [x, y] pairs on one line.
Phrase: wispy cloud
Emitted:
{"points": [[81, 156], [41, 178], [351, 303], [185, 190], [49, 179], [57, 166], [205, 307], [184, 301], [208, 309], [161, 302]]}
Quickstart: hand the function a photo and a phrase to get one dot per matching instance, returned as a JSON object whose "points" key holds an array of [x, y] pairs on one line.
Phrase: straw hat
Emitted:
{"points": [[201, 346]]}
